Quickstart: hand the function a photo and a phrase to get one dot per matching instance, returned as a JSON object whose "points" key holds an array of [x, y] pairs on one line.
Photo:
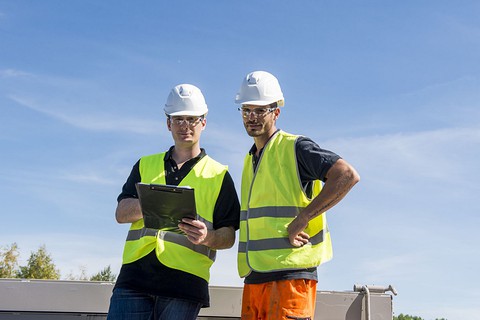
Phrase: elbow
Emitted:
{"points": [[128, 211], [355, 177], [118, 216], [228, 238], [344, 171], [231, 243]]}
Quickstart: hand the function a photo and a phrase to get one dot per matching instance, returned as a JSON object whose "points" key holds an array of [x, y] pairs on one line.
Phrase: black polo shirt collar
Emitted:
{"points": [[173, 175]]}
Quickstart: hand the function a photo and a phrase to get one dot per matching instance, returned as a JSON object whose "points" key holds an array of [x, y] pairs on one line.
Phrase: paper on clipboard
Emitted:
{"points": [[164, 206]]}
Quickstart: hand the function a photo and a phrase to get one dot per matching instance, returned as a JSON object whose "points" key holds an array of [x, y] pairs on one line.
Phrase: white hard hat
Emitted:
{"points": [[260, 88], [185, 100]]}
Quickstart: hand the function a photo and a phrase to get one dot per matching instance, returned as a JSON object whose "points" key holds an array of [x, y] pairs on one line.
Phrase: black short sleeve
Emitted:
{"points": [[227, 208], [128, 189], [313, 161]]}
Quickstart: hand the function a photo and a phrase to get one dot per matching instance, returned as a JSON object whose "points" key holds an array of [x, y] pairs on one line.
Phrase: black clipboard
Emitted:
{"points": [[164, 206]]}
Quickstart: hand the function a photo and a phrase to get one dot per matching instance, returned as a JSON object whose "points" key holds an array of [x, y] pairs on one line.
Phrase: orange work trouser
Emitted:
{"points": [[279, 300]]}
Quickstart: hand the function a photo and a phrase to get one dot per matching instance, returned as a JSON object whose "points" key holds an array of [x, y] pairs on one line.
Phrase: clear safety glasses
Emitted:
{"points": [[189, 121], [257, 112]]}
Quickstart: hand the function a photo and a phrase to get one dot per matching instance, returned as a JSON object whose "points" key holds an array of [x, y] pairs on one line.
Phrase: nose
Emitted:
{"points": [[252, 115], [184, 123]]}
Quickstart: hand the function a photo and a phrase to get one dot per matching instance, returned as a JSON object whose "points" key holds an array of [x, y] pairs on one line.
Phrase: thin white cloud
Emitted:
{"points": [[446, 87], [90, 178], [426, 154], [13, 73], [48, 83], [92, 122]]}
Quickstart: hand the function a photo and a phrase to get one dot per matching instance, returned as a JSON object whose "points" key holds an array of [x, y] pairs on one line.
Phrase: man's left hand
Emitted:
{"points": [[296, 235], [195, 230]]}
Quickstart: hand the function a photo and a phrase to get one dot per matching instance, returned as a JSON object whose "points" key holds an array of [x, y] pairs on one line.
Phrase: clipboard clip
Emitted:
{"points": [[159, 188], [172, 190]]}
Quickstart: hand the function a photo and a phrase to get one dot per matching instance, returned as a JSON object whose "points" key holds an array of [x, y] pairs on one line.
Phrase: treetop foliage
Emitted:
{"points": [[8, 261], [40, 265], [409, 317]]}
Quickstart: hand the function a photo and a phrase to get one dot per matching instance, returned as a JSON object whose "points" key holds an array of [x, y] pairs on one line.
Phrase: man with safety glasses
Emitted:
{"points": [[288, 184], [165, 274]]}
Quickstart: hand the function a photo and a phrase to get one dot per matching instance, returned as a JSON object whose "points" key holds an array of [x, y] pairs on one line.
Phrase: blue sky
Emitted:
{"points": [[391, 86]]}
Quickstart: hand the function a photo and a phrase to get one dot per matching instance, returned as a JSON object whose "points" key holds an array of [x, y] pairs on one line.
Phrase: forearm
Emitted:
{"points": [[222, 238], [128, 211]]}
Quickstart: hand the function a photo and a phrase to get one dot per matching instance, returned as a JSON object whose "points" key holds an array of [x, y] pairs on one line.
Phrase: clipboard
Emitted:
{"points": [[164, 206]]}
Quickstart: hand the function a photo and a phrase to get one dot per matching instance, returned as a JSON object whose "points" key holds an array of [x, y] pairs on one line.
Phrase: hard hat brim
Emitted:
{"points": [[261, 102], [187, 113]]}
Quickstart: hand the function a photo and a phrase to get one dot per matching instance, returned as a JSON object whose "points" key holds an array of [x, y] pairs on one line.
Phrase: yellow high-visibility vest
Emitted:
{"points": [[173, 249], [271, 198]]}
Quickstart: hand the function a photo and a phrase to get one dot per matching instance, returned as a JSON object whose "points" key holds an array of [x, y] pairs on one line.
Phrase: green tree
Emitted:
{"points": [[104, 275], [9, 261], [406, 317], [39, 266], [409, 317]]}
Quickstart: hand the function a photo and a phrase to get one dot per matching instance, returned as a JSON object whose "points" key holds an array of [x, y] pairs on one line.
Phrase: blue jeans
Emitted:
{"points": [[126, 304]]}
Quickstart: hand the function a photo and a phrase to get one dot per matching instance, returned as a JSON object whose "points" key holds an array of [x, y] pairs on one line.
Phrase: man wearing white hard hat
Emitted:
{"points": [[165, 274], [288, 184]]}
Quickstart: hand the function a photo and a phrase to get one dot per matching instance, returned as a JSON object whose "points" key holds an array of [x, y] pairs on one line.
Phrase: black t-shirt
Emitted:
{"points": [[313, 164], [148, 274]]}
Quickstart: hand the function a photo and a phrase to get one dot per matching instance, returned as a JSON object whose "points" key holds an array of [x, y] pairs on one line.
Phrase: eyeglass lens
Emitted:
{"points": [[258, 112], [189, 121]]}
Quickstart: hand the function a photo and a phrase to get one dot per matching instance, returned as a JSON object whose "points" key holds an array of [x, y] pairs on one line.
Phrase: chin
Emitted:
{"points": [[254, 133]]}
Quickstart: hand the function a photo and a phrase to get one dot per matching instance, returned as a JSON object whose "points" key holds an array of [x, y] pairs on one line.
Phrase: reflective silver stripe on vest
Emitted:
{"points": [[273, 212], [172, 237], [277, 243], [144, 232]]}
